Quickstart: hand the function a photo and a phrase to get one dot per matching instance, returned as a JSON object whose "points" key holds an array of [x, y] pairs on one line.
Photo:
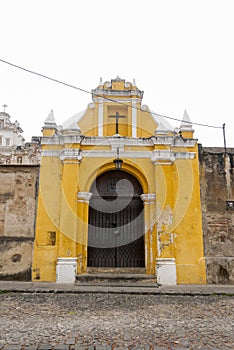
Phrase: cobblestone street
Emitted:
{"points": [[72, 321]]}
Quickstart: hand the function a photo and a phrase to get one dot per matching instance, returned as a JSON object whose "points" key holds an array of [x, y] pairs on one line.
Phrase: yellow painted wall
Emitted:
{"points": [[173, 223]]}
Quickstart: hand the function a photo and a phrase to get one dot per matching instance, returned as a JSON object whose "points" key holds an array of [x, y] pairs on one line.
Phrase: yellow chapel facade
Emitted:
{"points": [[119, 190]]}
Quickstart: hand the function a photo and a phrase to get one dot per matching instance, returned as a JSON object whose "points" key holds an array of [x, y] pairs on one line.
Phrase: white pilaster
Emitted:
{"points": [[149, 200], [100, 117], [134, 119]]}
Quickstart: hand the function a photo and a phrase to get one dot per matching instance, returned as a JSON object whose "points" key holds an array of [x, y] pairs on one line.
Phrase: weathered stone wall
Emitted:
{"points": [[18, 194], [217, 187]]}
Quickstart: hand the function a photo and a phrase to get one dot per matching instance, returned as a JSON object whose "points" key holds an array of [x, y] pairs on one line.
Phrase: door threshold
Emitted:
{"points": [[116, 270]]}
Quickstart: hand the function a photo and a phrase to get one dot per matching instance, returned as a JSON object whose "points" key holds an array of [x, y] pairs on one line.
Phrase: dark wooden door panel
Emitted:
{"points": [[116, 222]]}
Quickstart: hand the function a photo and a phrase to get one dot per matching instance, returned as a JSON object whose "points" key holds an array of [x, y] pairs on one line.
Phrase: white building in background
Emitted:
{"points": [[13, 150], [10, 133]]}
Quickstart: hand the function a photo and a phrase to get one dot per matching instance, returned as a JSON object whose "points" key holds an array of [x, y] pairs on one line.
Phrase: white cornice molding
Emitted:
{"points": [[162, 156], [116, 141], [68, 154], [169, 141], [174, 141], [50, 153], [103, 92], [61, 139], [185, 155], [115, 100], [112, 154], [168, 156], [156, 156]]}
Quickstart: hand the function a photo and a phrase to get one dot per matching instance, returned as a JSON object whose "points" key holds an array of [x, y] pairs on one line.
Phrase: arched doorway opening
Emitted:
{"points": [[116, 221]]}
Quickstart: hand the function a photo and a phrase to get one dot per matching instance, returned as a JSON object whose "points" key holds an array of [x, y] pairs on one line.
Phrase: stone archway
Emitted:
{"points": [[116, 222]]}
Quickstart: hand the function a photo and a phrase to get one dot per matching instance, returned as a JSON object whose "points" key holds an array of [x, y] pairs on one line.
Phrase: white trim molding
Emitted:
{"points": [[158, 157], [71, 153], [84, 197], [148, 198], [168, 157]]}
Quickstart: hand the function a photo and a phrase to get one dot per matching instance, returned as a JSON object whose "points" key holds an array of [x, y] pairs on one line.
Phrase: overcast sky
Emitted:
{"points": [[179, 51]]}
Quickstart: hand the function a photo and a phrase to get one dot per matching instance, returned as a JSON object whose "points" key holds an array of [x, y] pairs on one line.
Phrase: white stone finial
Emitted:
{"points": [[50, 120], [186, 116], [134, 82], [50, 117], [186, 123], [100, 82]]}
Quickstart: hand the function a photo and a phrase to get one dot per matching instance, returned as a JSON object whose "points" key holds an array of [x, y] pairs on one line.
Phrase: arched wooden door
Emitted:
{"points": [[116, 222]]}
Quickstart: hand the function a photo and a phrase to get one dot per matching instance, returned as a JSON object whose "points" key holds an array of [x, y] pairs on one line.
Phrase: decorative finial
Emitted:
{"points": [[186, 117], [50, 120], [186, 123], [100, 82], [4, 107], [134, 82]]}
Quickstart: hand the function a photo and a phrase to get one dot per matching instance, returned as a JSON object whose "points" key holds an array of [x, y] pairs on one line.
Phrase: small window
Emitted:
{"points": [[1, 124], [8, 141], [19, 160], [8, 160], [229, 205]]}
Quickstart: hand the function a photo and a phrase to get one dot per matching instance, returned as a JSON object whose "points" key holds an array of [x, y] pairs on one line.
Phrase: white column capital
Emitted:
{"points": [[148, 198], [84, 197]]}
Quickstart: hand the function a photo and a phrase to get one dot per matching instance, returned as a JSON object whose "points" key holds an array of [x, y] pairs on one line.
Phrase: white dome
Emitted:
{"points": [[162, 122], [69, 123]]}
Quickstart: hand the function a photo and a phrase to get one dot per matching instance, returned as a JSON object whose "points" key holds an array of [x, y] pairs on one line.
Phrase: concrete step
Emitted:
{"points": [[116, 279]]}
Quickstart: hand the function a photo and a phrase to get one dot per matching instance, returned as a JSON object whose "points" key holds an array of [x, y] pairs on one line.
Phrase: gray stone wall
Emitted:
{"points": [[217, 188], [18, 196]]}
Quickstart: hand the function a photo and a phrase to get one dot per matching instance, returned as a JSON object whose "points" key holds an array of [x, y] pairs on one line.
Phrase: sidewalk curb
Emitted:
{"points": [[47, 287]]}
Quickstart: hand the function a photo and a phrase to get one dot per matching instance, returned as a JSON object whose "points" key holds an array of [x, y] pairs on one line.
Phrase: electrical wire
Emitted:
{"points": [[104, 98]]}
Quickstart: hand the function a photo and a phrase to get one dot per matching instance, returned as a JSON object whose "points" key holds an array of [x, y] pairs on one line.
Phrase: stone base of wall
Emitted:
{"points": [[15, 259], [21, 276], [220, 270]]}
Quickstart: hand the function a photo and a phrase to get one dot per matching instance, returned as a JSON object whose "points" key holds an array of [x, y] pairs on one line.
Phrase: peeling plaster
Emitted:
{"points": [[165, 218], [164, 221]]}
